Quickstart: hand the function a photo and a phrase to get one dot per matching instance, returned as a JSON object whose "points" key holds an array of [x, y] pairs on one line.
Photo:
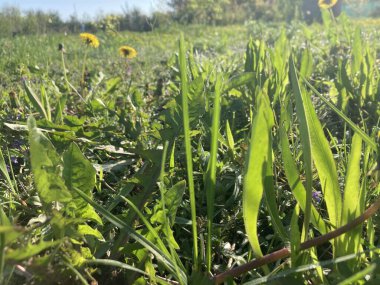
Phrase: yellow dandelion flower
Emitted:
{"points": [[128, 52], [326, 4], [89, 39]]}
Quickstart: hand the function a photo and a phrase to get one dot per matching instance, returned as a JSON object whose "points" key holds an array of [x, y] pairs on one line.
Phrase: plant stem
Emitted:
{"points": [[82, 83], [64, 70]]}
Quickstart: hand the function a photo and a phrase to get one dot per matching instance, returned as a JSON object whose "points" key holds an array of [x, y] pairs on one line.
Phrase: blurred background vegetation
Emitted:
{"points": [[14, 21]]}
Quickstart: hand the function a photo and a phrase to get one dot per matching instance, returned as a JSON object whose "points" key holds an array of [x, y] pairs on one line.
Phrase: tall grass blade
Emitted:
{"points": [[363, 135], [353, 200], [305, 140], [253, 184], [4, 172], [295, 237], [211, 169], [294, 179], [189, 159], [258, 175], [148, 225], [320, 151]]}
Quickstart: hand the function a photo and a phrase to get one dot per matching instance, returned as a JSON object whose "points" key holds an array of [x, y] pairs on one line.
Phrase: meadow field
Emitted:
{"points": [[244, 154]]}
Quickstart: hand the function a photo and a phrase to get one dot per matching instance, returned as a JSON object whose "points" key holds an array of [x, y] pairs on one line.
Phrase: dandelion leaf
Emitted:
{"points": [[46, 167], [79, 173]]}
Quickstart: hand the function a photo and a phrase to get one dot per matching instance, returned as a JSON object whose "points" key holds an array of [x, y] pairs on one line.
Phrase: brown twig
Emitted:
{"points": [[285, 252]]}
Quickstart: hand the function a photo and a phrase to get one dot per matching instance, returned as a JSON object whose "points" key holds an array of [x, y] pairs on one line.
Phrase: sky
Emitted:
{"points": [[90, 8]]}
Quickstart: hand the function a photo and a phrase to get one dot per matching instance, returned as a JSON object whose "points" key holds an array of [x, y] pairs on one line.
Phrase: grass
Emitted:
{"points": [[195, 161]]}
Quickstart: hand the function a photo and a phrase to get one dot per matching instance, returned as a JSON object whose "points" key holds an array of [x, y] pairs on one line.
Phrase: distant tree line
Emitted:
{"points": [[14, 22]]}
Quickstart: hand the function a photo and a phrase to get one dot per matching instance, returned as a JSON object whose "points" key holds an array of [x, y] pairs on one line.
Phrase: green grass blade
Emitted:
{"points": [[189, 159], [253, 184], [363, 135], [359, 276], [148, 225], [295, 237], [258, 170], [230, 139], [4, 171], [354, 199], [76, 272], [132, 233], [36, 102], [166, 224], [118, 264], [357, 52], [320, 151], [305, 140], [211, 169], [294, 181], [114, 263], [239, 80]]}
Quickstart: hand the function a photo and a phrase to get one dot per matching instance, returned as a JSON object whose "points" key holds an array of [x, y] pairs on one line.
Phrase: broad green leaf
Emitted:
{"points": [[357, 52], [35, 100], [230, 139], [294, 181], [293, 176], [239, 80], [45, 102], [6, 228], [79, 173], [257, 173], [354, 200], [89, 231], [46, 167], [307, 63], [173, 199], [320, 151], [112, 84], [29, 250]]}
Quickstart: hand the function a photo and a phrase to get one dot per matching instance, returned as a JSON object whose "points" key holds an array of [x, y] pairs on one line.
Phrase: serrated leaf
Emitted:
{"points": [[173, 198], [46, 167], [29, 250], [79, 173], [89, 231]]}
